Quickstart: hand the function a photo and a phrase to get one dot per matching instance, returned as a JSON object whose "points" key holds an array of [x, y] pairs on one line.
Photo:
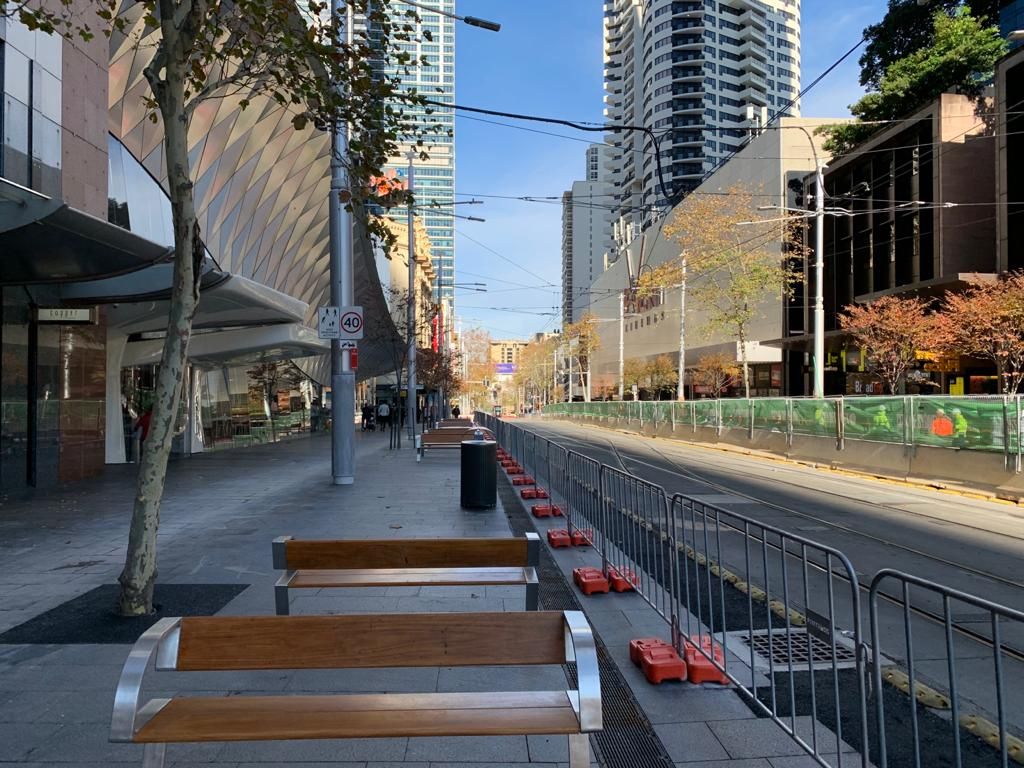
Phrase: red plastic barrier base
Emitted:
{"points": [[559, 537], [546, 510], [622, 579], [522, 480], [514, 470], [541, 493], [590, 580], [701, 669], [640, 644], [660, 664], [528, 493], [581, 537]]}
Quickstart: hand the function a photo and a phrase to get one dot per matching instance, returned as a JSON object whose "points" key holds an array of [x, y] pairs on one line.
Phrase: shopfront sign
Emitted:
{"points": [[66, 315]]}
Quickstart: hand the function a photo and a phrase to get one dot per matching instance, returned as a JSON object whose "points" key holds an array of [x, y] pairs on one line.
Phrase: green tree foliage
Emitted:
{"points": [[908, 27], [961, 57]]}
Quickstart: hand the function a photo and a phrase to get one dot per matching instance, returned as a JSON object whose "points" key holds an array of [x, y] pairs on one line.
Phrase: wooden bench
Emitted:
{"points": [[455, 423], [213, 643], [406, 563], [450, 437]]}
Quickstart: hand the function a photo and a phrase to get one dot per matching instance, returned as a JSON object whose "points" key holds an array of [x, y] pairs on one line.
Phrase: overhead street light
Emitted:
{"points": [[473, 21]]}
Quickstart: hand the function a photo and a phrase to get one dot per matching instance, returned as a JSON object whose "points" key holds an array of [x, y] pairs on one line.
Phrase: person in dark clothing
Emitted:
{"points": [[456, 411]]}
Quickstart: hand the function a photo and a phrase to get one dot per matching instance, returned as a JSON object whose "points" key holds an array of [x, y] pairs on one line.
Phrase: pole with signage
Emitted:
{"points": [[343, 378]]}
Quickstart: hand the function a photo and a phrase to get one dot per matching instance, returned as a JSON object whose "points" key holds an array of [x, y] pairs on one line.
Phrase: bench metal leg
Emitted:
{"points": [[532, 589], [281, 600], [153, 755], [579, 750]]}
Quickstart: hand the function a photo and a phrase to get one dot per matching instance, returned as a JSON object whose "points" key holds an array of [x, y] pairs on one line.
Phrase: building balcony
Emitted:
{"points": [[753, 18], [751, 78], [753, 34]]}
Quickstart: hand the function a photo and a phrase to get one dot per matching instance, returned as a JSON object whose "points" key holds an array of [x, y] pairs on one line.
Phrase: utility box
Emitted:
{"points": [[479, 478]]}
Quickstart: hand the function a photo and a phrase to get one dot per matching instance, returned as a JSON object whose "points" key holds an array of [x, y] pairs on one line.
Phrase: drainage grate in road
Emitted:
{"points": [[628, 739], [802, 648]]}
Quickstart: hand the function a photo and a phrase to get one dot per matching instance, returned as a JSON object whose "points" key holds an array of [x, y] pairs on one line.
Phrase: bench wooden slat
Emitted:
{"points": [[256, 718], [403, 577], [371, 640], [405, 553]]}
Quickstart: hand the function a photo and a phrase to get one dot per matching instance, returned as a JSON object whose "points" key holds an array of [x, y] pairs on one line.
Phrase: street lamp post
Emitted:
{"points": [[343, 378], [681, 386], [410, 316]]}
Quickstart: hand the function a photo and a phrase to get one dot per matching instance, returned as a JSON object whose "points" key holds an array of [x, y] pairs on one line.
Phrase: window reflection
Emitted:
{"points": [[136, 201]]}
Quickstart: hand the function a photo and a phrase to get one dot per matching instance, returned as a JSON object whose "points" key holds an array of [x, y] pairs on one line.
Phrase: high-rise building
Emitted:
{"points": [[435, 177], [698, 74], [586, 235]]}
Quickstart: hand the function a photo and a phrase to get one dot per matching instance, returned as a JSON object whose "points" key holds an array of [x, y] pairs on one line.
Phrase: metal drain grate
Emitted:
{"points": [[802, 648], [628, 739]]}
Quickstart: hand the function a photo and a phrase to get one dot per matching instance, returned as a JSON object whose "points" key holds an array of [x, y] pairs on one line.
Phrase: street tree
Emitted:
{"points": [[535, 368], [716, 372], [439, 371], [961, 57], [476, 351], [287, 55], [906, 28], [892, 330], [272, 378], [987, 321], [634, 373], [662, 374], [733, 261], [583, 338]]}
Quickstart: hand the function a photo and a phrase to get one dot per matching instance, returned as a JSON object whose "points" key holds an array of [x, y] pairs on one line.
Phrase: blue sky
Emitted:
{"points": [[547, 61]]}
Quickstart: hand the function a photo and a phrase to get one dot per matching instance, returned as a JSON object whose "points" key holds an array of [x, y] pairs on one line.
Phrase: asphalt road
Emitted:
{"points": [[968, 544]]}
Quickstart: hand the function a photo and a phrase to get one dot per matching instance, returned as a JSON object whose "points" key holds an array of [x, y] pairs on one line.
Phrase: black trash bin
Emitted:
{"points": [[479, 474]]}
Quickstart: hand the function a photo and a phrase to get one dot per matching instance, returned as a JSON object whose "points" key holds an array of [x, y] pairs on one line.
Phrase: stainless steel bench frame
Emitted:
{"points": [[280, 561], [163, 638]]}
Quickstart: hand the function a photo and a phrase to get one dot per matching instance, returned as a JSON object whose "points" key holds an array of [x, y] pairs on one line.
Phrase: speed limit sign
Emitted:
{"points": [[351, 324]]}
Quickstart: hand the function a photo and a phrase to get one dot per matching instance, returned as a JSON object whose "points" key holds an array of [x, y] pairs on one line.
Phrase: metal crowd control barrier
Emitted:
{"points": [[782, 603], [971, 703], [639, 538], [584, 508]]}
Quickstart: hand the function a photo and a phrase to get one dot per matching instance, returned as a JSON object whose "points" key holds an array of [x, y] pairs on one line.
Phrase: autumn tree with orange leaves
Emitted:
{"points": [[893, 330], [987, 321]]}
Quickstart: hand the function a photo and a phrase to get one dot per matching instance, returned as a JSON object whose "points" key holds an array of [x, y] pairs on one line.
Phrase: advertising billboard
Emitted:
{"points": [[505, 369]]}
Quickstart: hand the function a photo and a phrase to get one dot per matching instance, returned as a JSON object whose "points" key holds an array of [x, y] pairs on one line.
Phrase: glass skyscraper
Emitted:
{"points": [[435, 177]]}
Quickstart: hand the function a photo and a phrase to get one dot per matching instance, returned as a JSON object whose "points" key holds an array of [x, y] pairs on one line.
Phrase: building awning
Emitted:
{"points": [[236, 347], [43, 240], [930, 289], [140, 302]]}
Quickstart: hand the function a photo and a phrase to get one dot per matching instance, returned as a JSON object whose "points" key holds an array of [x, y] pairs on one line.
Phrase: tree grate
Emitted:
{"points": [[801, 649], [628, 739]]}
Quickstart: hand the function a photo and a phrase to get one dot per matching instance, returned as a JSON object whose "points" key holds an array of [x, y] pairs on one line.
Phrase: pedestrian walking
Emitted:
{"points": [[315, 415], [384, 415], [456, 411]]}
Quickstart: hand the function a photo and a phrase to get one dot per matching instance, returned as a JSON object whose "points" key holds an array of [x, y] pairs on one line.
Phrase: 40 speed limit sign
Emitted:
{"points": [[345, 323]]}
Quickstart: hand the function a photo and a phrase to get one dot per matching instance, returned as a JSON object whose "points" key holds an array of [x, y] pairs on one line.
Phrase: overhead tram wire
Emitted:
{"points": [[577, 126], [531, 273]]}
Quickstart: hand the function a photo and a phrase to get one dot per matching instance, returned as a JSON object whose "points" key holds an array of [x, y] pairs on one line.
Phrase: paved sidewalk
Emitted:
{"points": [[220, 513]]}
